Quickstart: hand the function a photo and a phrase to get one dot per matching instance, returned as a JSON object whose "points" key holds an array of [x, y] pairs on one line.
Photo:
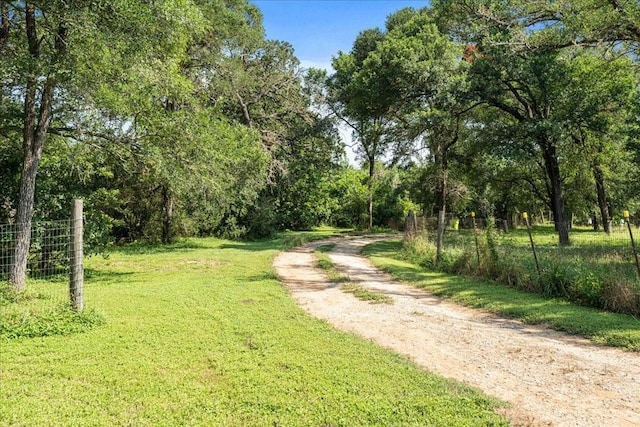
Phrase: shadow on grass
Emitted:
{"points": [[263, 277], [106, 276], [253, 246], [284, 241], [155, 248]]}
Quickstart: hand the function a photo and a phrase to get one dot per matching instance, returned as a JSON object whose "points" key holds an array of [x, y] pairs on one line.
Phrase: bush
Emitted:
{"points": [[512, 272], [555, 280], [420, 250]]}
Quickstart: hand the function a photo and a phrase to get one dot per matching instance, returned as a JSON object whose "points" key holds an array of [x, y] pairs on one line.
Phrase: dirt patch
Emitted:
{"points": [[550, 378]]}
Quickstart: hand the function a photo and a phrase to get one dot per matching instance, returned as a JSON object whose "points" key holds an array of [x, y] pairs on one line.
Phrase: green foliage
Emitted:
{"points": [[421, 251]]}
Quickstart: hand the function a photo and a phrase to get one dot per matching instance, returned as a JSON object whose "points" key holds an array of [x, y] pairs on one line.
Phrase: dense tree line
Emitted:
{"points": [[180, 118]]}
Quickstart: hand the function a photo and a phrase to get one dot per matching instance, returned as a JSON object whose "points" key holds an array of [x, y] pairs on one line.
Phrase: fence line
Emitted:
{"points": [[48, 254], [55, 257]]}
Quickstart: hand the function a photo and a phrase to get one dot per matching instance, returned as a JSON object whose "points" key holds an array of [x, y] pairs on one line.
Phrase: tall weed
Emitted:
{"points": [[621, 296], [581, 277]]}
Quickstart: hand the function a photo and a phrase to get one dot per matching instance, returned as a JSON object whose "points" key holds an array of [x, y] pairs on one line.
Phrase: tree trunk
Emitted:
{"points": [[34, 134], [442, 205], [33, 143], [555, 189], [5, 25], [4, 37], [167, 215], [245, 111], [598, 176]]}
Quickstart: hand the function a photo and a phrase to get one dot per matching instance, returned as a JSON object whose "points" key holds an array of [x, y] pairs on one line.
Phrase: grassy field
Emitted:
{"points": [[600, 326], [201, 333]]}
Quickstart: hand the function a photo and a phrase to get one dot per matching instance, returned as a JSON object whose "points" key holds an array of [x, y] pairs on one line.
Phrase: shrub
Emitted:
{"points": [[555, 279], [512, 272], [586, 287]]}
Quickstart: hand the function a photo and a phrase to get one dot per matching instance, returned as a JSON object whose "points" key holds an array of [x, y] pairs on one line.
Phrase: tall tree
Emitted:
{"points": [[362, 104], [425, 80], [597, 107], [56, 50]]}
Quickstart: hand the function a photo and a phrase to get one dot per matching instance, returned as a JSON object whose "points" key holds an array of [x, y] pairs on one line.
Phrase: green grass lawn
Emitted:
{"points": [[600, 326], [202, 333]]}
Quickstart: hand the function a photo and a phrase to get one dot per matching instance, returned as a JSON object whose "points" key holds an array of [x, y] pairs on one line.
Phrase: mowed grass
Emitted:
{"points": [[202, 333], [599, 326]]}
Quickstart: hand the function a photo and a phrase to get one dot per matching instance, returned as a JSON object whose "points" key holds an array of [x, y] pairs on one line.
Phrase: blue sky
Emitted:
{"points": [[318, 29]]}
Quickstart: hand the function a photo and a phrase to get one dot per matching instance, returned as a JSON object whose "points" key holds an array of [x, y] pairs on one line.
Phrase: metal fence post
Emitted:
{"points": [[440, 236], [533, 246], [625, 214], [475, 235], [76, 278]]}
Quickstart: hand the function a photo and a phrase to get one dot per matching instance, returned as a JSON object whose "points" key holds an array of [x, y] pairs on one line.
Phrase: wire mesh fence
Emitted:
{"points": [[48, 262], [49, 300], [48, 254]]}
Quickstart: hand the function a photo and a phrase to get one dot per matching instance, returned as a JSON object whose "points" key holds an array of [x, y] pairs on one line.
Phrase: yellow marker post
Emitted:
{"points": [[625, 214], [475, 234], [533, 246]]}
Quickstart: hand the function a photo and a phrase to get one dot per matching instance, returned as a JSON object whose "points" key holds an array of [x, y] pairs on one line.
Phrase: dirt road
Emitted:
{"points": [[550, 378]]}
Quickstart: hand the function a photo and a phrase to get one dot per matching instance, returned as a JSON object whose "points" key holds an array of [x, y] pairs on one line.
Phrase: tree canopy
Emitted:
{"points": [[179, 117]]}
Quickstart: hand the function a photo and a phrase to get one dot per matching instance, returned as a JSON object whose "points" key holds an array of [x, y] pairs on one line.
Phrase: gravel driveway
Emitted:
{"points": [[549, 378]]}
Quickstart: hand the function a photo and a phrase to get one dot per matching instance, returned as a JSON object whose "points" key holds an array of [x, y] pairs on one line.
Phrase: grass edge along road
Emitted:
{"points": [[324, 262], [601, 327], [203, 333]]}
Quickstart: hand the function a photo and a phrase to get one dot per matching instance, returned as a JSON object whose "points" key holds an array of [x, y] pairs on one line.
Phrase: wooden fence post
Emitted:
{"points": [[76, 278]]}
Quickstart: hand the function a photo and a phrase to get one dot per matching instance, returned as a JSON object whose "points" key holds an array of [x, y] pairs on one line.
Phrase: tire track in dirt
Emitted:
{"points": [[550, 378]]}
